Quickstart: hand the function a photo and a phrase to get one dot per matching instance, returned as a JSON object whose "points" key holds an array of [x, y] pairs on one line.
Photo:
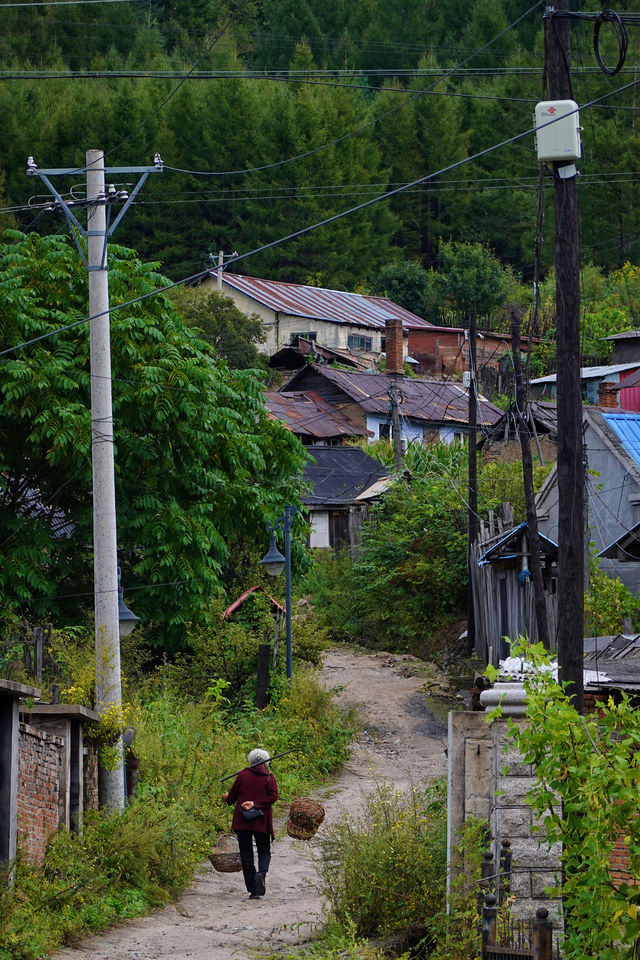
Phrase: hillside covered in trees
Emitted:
{"points": [[272, 116]]}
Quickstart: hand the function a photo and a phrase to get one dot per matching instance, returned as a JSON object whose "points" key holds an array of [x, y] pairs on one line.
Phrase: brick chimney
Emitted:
{"points": [[393, 345], [607, 395]]}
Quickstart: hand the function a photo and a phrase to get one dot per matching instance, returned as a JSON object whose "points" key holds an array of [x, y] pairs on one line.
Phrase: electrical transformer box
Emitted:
{"points": [[558, 131]]}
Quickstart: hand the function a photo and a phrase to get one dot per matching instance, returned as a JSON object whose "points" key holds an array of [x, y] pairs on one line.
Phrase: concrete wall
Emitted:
{"points": [[39, 770], [487, 779]]}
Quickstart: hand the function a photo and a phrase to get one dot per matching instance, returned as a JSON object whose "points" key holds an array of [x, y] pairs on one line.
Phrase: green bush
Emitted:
{"points": [[387, 869]]}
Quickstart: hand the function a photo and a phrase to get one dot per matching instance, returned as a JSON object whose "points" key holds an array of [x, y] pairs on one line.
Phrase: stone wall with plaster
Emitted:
{"points": [[487, 779]]}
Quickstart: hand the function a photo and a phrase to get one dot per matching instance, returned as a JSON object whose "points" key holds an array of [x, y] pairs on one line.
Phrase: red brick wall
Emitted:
{"points": [[38, 788], [619, 860]]}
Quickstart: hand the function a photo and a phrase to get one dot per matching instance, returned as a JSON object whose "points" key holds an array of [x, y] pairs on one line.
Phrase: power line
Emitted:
{"points": [[64, 3], [370, 123]]}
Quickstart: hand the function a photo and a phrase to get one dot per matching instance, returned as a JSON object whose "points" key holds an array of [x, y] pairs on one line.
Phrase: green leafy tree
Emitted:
{"points": [[585, 797], [404, 282], [234, 335], [198, 461], [471, 279]]}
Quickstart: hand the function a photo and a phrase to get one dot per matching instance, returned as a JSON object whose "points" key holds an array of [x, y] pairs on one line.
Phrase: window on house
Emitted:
{"points": [[385, 431], [357, 342], [310, 335]]}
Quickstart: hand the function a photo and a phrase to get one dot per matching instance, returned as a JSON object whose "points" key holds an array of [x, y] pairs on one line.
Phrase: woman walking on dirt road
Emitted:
{"points": [[254, 791]]}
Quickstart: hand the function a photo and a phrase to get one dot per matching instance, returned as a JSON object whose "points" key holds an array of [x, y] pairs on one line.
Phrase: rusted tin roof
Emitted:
{"points": [[433, 401], [308, 415], [317, 303]]}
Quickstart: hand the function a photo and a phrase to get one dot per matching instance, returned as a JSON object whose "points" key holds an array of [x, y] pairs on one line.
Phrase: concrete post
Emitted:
{"points": [[108, 683]]}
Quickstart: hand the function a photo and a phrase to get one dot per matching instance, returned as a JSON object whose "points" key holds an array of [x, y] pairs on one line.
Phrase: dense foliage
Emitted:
{"points": [[199, 463], [387, 869], [585, 797], [393, 110], [409, 577]]}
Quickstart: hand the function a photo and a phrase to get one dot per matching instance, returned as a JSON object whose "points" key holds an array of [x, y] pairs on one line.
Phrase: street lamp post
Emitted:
{"points": [[274, 563]]}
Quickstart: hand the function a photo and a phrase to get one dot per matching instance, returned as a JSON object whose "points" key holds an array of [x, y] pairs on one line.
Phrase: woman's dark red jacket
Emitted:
{"points": [[257, 784]]}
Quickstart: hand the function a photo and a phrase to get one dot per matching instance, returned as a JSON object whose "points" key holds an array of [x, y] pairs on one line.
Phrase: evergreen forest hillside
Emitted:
{"points": [[273, 116]]}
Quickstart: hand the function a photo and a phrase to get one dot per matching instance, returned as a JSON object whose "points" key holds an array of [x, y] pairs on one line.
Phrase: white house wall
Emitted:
{"points": [[319, 533], [411, 432]]}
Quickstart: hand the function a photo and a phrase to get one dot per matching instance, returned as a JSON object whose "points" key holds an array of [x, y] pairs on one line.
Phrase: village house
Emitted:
{"points": [[600, 385], [311, 418], [342, 484], [430, 410], [612, 447], [336, 319]]}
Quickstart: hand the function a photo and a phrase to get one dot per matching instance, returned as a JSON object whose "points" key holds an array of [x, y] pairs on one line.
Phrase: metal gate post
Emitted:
{"points": [[542, 935]]}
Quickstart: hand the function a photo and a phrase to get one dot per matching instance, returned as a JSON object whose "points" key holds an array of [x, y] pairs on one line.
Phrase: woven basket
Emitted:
{"points": [[226, 856], [305, 816]]}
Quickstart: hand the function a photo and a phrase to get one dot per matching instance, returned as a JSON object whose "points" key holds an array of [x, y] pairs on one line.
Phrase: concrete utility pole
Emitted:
{"points": [[220, 266], [472, 521], [571, 566], [105, 540], [105, 543]]}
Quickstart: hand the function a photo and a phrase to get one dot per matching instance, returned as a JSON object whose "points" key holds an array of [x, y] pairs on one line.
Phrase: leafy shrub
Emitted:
{"points": [[585, 796], [607, 604], [387, 870]]}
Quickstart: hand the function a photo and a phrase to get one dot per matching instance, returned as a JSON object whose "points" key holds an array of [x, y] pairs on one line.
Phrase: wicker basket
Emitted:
{"points": [[305, 816], [226, 856]]}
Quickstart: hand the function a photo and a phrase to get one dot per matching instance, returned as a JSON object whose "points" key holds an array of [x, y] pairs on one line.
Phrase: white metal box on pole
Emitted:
{"points": [[558, 129]]}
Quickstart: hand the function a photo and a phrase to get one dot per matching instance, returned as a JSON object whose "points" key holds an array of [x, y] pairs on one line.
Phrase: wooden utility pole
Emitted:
{"points": [[472, 521], [522, 408], [571, 566]]}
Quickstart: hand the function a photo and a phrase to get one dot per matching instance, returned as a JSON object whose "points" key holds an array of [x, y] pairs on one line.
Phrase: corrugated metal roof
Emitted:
{"points": [[317, 303], [340, 474], [308, 415], [594, 373], [627, 427], [547, 546], [433, 401]]}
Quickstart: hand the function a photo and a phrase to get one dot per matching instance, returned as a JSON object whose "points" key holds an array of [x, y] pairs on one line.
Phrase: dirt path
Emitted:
{"points": [[402, 742]]}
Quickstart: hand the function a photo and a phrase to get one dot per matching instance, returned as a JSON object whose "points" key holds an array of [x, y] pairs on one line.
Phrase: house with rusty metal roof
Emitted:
{"points": [[311, 418], [336, 319], [430, 410]]}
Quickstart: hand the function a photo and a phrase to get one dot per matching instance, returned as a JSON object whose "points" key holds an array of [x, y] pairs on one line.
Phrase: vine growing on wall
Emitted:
{"points": [[585, 798]]}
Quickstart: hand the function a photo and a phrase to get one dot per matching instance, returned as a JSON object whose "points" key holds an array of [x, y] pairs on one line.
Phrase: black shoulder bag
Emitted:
{"points": [[255, 812]]}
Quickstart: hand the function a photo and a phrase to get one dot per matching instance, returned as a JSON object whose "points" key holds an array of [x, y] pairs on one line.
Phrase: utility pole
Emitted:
{"points": [[472, 521], [395, 426], [522, 408], [571, 567], [220, 266], [105, 543]]}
